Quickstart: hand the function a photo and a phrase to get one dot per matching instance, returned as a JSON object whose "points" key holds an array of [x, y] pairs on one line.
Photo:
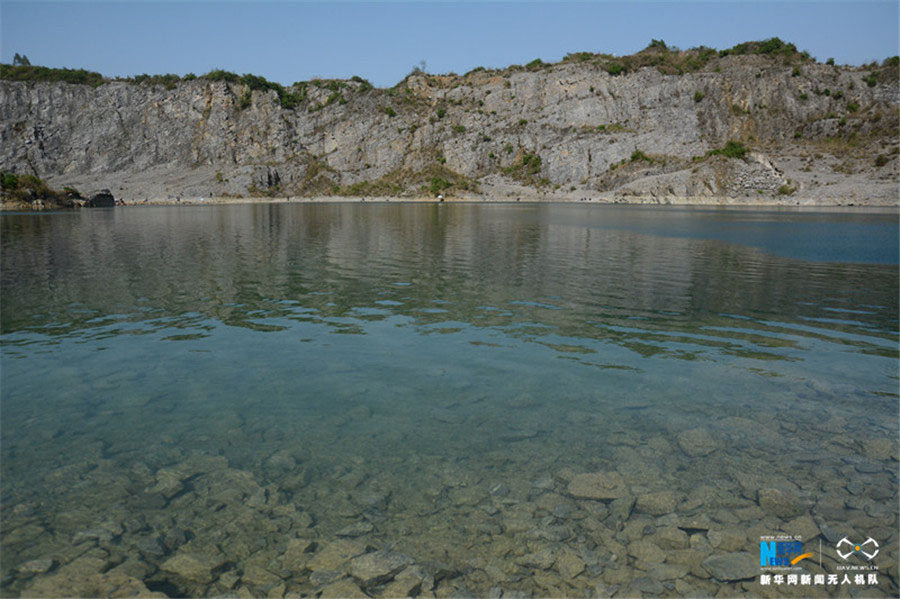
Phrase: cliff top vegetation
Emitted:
{"points": [[667, 59]]}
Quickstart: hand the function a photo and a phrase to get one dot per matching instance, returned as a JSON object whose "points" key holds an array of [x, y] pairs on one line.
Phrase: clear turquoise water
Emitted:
{"points": [[428, 354]]}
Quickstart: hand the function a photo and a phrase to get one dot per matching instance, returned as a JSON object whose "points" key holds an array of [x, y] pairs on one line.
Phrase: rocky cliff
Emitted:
{"points": [[656, 130]]}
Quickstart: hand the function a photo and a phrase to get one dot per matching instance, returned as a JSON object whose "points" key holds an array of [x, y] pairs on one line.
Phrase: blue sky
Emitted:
{"points": [[382, 41]]}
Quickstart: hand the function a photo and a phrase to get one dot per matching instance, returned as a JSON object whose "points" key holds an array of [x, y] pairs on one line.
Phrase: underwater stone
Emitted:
{"points": [[598, 485], [540, 560], [168, 483], [727, 540], [342, 589], [779, 503], [667, 571], [732, 566], [546, 483], [621, 508], [36, 566], [297, 553], [499, 490], [357, 529], [333, 555], [568, 564], [804, 527], [645, 584], [554, 534], [646, 551], [192, 568], [697, 442], [324, 577], [671, 537], [258, 576], [93, 534], [657, 504], [73, 584], [378, 567], [407, 583], [881, 449]]}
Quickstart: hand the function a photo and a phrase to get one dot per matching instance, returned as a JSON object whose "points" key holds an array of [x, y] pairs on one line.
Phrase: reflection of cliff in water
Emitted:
{"points": [[584, 274]]}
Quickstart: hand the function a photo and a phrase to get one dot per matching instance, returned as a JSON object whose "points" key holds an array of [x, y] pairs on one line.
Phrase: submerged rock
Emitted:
{"points": [[190, 567], [378, 567], [357, 529], [697, 442], [569, 565], [779, 503], [732, 566], [598, 485], [333, 555], [657, 504], [37, 566], [74, 584], [342, 589]]}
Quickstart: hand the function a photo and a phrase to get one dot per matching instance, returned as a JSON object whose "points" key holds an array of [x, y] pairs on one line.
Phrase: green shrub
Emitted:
{"points": [[698, 96], [33, 73], [535, 64], [459, 129], [804, 96], [771, 46], [438, 185], [169, 81], [508, 148], [245, 99], [532, 163], [871, 80], [441, 112], [830, 61], [578, 56], [523, 122], [796, 72], [27, 188], [388, 111], [852, 107], [615, 69], [786, 190], [881, 160], [732, 149], [639, 155], [9, 181], [220, 75]]}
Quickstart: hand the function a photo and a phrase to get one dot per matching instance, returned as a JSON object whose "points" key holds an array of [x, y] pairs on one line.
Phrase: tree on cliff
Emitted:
{"points": [[21, 60]]}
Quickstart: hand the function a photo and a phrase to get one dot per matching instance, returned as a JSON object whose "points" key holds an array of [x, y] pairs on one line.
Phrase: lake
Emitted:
{"points": [[447, 400]]}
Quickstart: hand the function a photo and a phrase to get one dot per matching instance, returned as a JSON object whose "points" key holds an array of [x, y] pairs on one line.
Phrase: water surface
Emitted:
{"points": [[218, 381]]}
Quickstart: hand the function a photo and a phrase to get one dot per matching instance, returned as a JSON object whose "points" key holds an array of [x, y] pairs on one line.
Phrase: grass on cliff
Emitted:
{"points": [[431, 180], [33, 73], [29, 189]]}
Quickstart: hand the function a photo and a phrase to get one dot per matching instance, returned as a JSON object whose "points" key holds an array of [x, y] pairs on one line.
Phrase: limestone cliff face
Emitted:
{"points": [[565, 129]]}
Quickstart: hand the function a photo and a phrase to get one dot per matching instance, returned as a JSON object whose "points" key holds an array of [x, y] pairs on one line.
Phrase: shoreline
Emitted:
{"points": [[678, 201]]}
